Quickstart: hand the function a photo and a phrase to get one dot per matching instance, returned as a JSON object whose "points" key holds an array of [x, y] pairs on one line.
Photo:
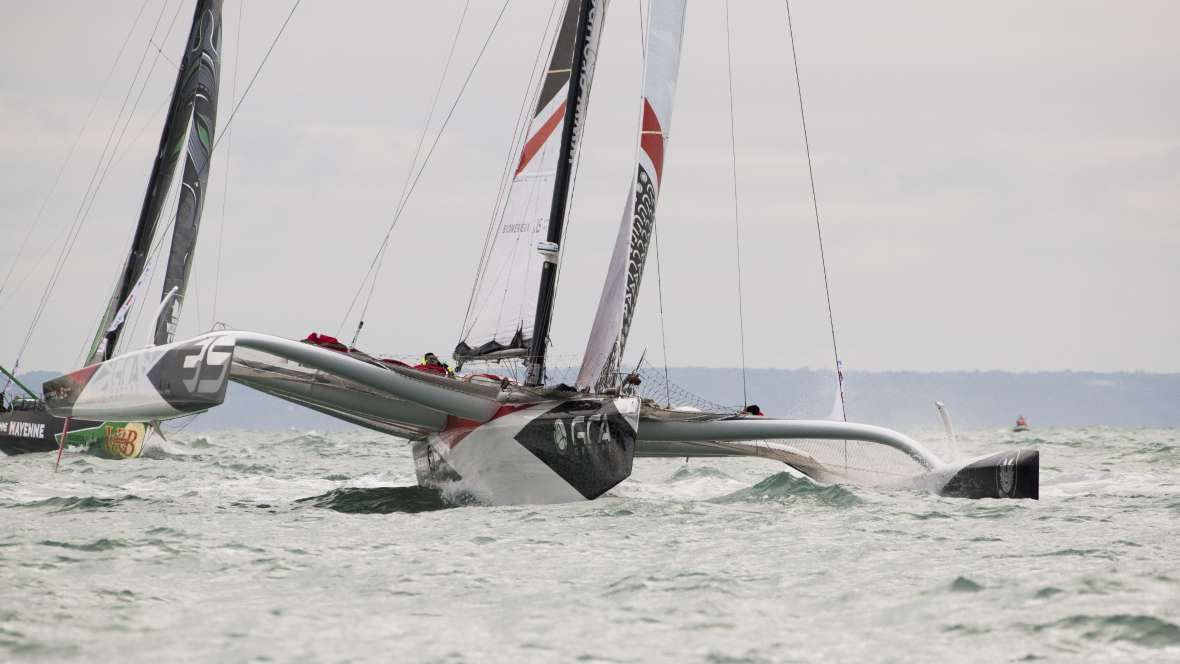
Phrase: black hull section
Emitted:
{"points": [[29, 431], [1013, 474], [588, 443], [544, 453]]}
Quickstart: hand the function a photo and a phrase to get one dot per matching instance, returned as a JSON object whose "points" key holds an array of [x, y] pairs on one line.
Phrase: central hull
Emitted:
{"points": [[548, 452]]}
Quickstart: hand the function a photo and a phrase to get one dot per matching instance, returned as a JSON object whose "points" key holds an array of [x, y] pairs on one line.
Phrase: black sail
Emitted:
{"points": [[188, 128], [201, 73]]}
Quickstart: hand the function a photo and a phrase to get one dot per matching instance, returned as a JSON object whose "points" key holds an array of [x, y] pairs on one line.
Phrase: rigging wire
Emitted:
{"points": [[815, 206], [426, 160], [75, 227], [154, 254], [736, 224], [254, 78], [442, 79], [127, 123], [528, 100], [655, 236], [229, 148], [225, 130], [70, 153], [655, 232]]}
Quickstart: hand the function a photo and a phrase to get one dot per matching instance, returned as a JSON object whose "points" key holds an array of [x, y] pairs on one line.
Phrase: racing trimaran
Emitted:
{"points": [[189, 131], [509, 442]]}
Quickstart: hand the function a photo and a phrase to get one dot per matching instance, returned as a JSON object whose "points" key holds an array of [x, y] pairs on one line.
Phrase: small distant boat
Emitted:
{"points": [[1021, 424]]}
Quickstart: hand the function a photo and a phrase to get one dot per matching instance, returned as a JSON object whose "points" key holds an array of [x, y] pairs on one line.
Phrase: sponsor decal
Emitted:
{"points": [[642, 224], [124, 442], [208, 363], [589, 56], [588, 443], [193, 375], [23, 429], [581, 435], [1006, 474]]}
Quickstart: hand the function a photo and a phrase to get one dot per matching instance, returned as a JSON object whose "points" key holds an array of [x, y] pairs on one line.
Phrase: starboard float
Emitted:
{"points": [[506, 441], [105, 385]]}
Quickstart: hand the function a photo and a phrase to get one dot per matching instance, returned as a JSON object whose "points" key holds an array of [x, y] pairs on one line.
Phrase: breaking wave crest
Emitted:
{"points": [[687, 472], [1145, 631], [80, 503], [785, 487], [382, 500]]}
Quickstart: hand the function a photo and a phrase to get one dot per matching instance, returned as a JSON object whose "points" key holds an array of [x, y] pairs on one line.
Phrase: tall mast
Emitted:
{"points": [[575, 119], [201, 57]]}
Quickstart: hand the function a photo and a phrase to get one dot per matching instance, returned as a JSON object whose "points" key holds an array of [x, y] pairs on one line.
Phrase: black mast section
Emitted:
{"points": [[172, 144], [575, 110]]}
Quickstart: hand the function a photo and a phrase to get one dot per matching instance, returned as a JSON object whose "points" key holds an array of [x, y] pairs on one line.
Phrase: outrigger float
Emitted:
{"points": [[509, 441]]}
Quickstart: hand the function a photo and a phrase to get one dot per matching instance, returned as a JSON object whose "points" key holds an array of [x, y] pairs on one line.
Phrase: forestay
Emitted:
{"points": [[503, 310], [620, 292]]}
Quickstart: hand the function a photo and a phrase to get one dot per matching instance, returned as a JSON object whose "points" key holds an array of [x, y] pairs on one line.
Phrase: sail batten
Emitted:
{"points": [[620, 291]]}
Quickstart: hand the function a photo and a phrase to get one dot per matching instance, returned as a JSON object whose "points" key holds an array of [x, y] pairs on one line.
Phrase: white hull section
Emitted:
{"points": [[496, 469], [550, 452]]}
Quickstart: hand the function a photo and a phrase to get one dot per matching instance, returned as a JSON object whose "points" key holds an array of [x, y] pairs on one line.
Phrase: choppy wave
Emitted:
{"points": [[785, 487], [260, 543], [102, 544], [381, 500], [694, 472], [79, 503], [1141, 630]]}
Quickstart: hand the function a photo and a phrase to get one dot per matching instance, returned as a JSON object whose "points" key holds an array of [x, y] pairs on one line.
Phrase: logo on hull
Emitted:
{"points": [[587, 442]]}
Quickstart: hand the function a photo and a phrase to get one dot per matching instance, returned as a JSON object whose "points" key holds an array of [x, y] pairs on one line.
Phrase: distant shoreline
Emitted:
{"points": [[897, 399]]}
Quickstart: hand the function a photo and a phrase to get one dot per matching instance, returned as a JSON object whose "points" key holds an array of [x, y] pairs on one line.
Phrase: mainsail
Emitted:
{"points": [[514, 288], [620, 292], [188, 128]]}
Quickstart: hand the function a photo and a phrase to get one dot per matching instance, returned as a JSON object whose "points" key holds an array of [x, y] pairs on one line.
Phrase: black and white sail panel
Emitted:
{"points": [[620, 292], [500, 322], [188, 130], [200, 74]]}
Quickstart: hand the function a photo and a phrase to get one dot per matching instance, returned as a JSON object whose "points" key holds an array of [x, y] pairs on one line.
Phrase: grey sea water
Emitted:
{"points": [[300, 546]]}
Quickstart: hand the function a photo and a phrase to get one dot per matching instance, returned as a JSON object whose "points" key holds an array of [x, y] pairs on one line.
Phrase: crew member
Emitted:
{"points": [[753, 409], [431, 364]]}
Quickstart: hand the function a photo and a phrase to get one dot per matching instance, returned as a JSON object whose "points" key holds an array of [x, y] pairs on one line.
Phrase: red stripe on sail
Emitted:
{"points": [[652, 140], [534, 144]]}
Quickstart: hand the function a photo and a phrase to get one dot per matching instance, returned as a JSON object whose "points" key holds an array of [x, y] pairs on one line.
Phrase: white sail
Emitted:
{"points": [[503, 310], [620, 292]]}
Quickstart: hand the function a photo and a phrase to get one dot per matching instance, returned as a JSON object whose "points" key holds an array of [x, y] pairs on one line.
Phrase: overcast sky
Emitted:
{"points": [[999, 182]]}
